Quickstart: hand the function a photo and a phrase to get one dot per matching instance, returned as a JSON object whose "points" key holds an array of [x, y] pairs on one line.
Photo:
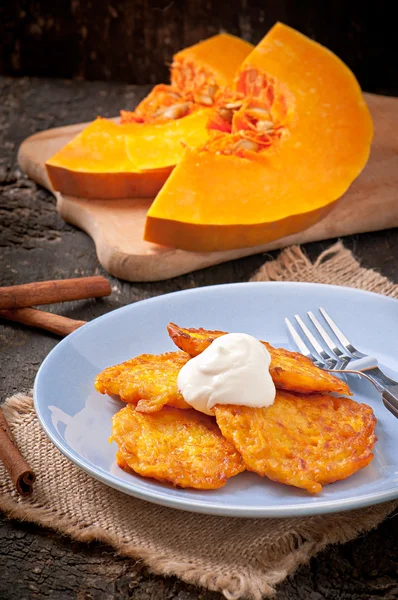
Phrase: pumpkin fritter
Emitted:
{"points": [[183, 447], [149, 380], [289, 370], [299, 441]]}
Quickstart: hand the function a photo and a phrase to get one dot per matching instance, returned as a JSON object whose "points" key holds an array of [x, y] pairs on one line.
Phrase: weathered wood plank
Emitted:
{"points": [[129, 41]]}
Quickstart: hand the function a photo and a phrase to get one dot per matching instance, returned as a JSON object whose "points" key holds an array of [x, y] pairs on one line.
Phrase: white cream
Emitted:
{"points": [[234, 369]]}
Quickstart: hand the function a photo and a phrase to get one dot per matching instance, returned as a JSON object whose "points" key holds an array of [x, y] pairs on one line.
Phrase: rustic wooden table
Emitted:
{"points": [[36, 244]]}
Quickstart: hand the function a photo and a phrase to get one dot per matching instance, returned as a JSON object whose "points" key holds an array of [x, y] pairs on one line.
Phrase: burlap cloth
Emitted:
{"points": [[242, 558]]}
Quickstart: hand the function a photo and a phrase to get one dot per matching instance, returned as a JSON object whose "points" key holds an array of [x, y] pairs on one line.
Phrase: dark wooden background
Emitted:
{"points": [[132, 41]]}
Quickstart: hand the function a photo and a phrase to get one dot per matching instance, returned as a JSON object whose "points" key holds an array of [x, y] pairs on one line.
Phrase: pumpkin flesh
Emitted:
{"points": [[259, 179], [95, 164], [212, 62], [135, 157]]}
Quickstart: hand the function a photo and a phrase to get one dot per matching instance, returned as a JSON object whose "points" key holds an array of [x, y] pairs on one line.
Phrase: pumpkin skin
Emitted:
{"points": [[223, 196], [134, 158]]}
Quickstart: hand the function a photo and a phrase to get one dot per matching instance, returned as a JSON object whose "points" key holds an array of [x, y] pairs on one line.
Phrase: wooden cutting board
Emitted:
{"points": [[117, 226]]}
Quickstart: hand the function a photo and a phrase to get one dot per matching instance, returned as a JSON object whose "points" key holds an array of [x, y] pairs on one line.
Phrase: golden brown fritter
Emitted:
{"points": [[289, 370], [299, 441], [149, 380], [183, 447]]}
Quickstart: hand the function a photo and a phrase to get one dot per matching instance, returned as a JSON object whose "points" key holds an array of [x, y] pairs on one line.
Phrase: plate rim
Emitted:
{"points": [[188, 504]]}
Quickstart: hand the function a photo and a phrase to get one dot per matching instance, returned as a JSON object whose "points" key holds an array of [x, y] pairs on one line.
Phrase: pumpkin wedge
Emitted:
{"points": [[212, 62], [107, 160], [288, 140], [197, 74], [134, 158]]}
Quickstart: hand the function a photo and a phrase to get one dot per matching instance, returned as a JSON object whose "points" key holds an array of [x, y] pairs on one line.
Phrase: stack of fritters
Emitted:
{"points": [[307, 438]]}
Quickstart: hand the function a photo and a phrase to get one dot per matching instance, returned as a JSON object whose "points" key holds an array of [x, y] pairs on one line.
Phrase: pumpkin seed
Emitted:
{"points": [[226, 114], [259, 113], [175, 111], [212, 90], [207, 96], [245, 144], [234, 105], [265, 126], [203, 99]]}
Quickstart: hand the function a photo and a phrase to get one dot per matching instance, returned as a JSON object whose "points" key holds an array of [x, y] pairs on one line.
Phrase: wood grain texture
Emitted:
{"points": [[36, 243], [129, 41], [33, 317], [117, 226]]}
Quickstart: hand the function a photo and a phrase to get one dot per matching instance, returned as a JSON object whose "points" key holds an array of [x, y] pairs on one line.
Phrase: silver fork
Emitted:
{"points": [[341, 356]]}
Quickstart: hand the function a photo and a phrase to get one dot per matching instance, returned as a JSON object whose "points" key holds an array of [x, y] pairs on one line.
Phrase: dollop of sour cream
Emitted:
{"points": [[234, 369]]}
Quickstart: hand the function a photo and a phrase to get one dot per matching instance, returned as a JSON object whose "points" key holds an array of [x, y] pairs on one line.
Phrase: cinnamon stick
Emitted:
{"points": [[49, 292], [43, 320], [18, 469]]}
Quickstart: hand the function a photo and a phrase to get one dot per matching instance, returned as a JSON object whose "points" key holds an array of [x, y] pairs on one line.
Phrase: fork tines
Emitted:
{"points": [[330, 356]]}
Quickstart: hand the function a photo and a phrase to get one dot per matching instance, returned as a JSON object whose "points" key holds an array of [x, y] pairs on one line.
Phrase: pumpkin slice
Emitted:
{"points": [[135, 158], [107, 160], [211, 63], [95, 164], [288, 141], [197, 74]]}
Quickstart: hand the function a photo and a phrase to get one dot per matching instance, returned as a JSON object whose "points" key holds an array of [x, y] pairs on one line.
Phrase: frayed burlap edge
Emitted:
{"points": [[336, 266], [306, 537]]}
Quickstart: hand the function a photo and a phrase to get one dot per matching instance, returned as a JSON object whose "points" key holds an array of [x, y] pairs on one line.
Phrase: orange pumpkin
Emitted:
{"points": [[197, 73], [212, 62], [287, 142], [108, 160]]}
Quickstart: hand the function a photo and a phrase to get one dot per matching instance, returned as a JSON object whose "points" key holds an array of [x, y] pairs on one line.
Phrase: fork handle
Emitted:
{"points": [[388, 388]]}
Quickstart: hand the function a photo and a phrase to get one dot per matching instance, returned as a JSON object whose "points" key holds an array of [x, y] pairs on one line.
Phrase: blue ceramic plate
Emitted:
{"points": [[77, 419]]}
